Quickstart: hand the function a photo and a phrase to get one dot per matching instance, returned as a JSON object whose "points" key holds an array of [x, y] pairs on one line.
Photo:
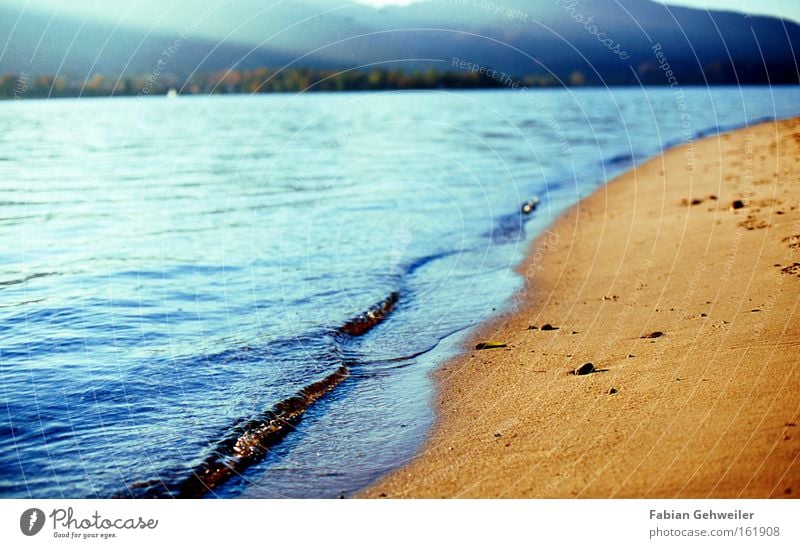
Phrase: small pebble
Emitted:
{"points": [[585, 369], [612, 391]]}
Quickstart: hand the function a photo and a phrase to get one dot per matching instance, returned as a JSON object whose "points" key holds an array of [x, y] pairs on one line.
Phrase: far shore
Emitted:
{"points": [[679, 282]]}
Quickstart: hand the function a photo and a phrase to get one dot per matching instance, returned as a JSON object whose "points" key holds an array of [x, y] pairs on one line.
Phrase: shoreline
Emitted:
{"points": [[709, 408]]}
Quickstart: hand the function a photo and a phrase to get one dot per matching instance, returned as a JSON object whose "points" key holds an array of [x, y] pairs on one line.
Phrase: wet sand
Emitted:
{"points": [[708, 408]]}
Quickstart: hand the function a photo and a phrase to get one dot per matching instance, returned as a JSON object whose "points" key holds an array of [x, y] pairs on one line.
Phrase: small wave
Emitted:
{"points": [[25, 279], [620, 159], [510, 228], [416, 264]]}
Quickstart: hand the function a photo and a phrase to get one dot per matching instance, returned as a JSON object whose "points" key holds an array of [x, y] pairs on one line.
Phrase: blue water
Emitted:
{"points": [[171, 268]]}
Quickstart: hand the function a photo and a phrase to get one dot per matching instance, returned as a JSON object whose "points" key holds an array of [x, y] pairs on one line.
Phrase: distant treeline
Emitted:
{"points": [[265, 80], [262, 80]]}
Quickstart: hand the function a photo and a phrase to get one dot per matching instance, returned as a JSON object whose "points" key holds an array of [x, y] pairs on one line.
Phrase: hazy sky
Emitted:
{"points": [[782, 8], [110, 10], [789, 9]]}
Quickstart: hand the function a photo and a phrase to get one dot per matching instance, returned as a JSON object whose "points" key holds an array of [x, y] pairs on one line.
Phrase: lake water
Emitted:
{"points": [[172, 269]]}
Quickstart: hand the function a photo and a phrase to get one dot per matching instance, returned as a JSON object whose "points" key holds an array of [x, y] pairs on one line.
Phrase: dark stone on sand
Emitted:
{"points": [[490, 344], [696, 201], [737, 204], [703, 315], [533, 327], [548, 327], [585, 369], [653, 335], [612, 391]]}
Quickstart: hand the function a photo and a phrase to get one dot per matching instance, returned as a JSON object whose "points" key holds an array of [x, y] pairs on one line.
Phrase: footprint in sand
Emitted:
{"points": [[792, 269], [793, 241], [752, 223]]}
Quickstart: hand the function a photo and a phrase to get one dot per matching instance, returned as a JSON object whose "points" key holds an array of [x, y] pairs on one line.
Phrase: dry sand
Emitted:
{"points": [[709, 409]]}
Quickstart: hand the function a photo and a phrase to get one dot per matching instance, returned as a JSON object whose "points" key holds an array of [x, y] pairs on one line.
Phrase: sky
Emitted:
{"points": [[789, 9], [782, 8]]}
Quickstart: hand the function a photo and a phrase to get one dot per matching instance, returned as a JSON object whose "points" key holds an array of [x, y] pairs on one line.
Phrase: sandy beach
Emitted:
{"points": [[680, 283]]}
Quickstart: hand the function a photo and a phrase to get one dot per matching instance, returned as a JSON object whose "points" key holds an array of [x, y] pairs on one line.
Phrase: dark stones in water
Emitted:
{"points": [[511, 228], [249, 443], [530, 206], [373, 316], [585, 369]]}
